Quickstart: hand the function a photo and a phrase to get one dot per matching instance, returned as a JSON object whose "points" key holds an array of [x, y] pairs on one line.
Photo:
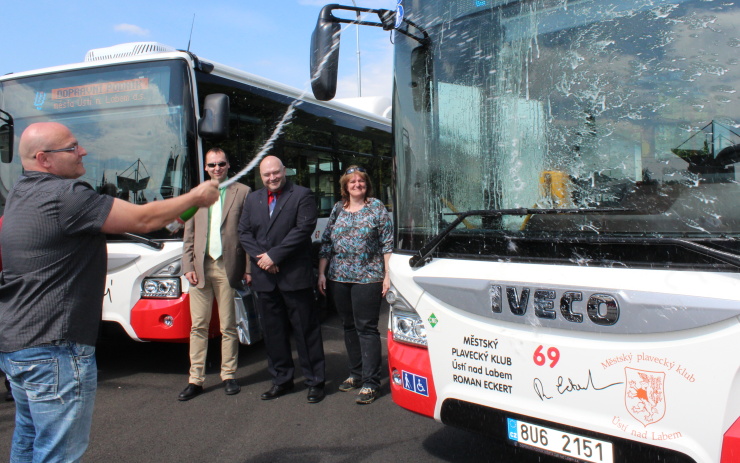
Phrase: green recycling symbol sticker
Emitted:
{"points": [[433, 320]]}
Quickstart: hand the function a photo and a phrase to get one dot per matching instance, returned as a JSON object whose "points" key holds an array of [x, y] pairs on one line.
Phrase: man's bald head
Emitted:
{"points": [[272, 172], [41, 137], [271, 162], [38, 137]]}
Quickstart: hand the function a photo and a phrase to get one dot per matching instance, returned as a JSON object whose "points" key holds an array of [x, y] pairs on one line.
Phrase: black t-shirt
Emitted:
{"points": [[54, 262]]}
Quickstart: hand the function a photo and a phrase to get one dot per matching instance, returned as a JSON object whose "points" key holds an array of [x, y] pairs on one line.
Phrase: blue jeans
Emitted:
{"points": [[54, 390]]}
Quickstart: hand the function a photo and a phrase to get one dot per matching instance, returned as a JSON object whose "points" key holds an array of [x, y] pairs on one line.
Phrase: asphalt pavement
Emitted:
{"points": [[139, 419]]}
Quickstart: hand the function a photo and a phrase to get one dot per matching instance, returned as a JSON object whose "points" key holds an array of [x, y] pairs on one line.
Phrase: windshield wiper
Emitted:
{"points": [[423, 256], [144, 240], [726, 257]]}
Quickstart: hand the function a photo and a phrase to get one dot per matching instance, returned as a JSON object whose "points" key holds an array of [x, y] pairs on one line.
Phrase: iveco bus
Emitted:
{"points": [[566, 272]]}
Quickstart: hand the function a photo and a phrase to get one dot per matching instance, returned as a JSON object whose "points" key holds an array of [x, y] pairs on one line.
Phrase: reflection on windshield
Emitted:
{"points": [[544, 104], [132, 120]]}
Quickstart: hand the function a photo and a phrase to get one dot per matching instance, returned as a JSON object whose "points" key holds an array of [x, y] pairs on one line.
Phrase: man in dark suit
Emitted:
{"points": [[275, 229], [214, 263]]}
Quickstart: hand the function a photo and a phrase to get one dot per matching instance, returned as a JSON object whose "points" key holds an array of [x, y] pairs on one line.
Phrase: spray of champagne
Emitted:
{"points": [[267, 146]]}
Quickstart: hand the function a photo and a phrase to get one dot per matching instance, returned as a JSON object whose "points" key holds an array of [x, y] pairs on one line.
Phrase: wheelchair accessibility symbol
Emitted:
{"points": [[415, 383]]}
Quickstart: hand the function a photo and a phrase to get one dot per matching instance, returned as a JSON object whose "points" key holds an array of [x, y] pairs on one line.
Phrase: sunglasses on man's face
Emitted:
{"points": [[211, 165], [72, 148]]}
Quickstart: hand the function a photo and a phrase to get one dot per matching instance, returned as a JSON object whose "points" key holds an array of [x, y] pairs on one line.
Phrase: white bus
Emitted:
{"points": [[566, 272], [146, 113]]}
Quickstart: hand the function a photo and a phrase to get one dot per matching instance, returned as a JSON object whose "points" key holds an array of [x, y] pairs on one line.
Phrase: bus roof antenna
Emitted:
{"points": [[191, 31]]}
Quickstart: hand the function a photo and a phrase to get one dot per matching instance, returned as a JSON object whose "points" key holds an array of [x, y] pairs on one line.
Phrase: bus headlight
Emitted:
{"points": [[167, 288], [408, 327], [164, 283], [406, 324]]}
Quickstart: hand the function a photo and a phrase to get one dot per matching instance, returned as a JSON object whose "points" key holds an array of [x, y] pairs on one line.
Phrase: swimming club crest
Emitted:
{"points": [[644, 395]]}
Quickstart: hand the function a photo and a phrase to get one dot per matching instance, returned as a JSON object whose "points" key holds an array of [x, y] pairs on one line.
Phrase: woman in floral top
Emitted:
{"points": [[356, 246]]}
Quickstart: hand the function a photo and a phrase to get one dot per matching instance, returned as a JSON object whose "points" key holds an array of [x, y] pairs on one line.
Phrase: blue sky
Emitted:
{"points": [[268, 38]]}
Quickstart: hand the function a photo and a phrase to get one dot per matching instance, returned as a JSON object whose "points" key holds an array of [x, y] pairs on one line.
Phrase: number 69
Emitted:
{"points": [[552, 353]]}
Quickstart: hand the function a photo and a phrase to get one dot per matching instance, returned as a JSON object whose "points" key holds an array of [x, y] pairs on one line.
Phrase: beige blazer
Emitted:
{"points": [[236, 261]]}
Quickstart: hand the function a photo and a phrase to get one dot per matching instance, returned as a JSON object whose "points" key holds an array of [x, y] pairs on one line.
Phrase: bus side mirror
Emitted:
{"points": [[6, 137], [215, 120], [325, 55]]}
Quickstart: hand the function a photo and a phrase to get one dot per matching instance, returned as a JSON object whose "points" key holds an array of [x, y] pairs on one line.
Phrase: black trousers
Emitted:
{"points": [[359, 307], [279, 310]]}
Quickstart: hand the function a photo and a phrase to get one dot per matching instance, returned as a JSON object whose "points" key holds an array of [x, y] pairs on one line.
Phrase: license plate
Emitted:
{"points": [[560, 442]]}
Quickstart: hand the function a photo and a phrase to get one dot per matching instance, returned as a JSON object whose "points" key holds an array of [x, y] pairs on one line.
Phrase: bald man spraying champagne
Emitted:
{"points": [[51, 292]]}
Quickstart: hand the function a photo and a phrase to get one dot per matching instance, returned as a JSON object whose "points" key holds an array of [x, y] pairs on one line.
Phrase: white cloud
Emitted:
{"points": [[131, 29]]}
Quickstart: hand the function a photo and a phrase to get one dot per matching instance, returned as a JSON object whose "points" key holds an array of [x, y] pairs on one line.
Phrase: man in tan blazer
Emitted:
{"points": [[214, 262]]}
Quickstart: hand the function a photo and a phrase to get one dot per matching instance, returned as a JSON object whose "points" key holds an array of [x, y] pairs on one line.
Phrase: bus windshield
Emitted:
{"points": [[573, 105], [134, 120]]}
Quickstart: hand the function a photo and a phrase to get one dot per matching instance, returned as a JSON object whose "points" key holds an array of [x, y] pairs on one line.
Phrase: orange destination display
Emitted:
{"points": [[99, 93], [100, 88]]}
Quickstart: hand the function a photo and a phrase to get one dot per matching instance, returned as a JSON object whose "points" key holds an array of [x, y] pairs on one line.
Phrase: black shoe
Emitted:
{"points": [[277, 390], [349, 384], [315, 394], [231, 387], [189, 392], [367, 395]]}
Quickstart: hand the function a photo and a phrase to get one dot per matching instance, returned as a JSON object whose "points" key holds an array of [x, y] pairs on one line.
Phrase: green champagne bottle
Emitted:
{"points": [[180, 221]]}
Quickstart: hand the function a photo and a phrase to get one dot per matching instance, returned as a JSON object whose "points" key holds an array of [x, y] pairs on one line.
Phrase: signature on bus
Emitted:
{"points": [[568, 385]]}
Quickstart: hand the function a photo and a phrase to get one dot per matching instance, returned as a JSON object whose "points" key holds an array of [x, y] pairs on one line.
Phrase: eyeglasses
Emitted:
{"points": [[352, 170], [211, 165], [62, 150]]}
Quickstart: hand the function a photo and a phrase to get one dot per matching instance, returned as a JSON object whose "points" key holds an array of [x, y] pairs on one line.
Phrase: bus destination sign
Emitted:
{"points": [[100, 93]]}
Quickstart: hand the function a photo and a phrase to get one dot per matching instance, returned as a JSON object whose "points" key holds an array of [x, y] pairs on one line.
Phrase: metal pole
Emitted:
{"points": [[359, 67]]}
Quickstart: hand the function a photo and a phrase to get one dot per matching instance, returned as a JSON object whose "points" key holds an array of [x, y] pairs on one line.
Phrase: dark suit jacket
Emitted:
{"points": [[286, 237], [236, 261]]}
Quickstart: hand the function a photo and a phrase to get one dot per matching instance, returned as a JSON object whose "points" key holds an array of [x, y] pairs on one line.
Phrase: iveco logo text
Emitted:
{"points": [[602, 309]]}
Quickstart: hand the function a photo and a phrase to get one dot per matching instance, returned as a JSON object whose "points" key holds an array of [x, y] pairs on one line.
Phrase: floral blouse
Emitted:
{"points": [[354, 243]]}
